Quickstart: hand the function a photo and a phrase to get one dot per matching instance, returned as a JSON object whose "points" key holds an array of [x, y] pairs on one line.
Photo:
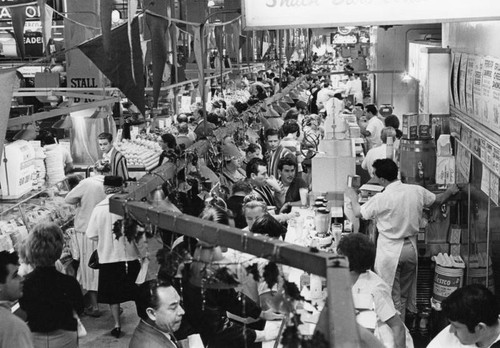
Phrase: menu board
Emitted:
{"points": [[477, 91], [461, 82], [454, 81], [469, 84], [487, 83], [495, 101]]}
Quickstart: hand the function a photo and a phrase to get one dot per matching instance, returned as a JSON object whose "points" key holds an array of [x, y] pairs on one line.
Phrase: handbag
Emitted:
{"points": [[94, 260]]}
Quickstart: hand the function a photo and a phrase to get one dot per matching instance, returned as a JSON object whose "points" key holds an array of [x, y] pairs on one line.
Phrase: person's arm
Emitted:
{"points": [[443, 197], [68, 168], [353, 197], [398, 331], [75, 195]]}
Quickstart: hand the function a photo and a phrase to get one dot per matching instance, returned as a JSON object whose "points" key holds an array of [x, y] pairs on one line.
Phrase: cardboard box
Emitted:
{"points": [[424, 126], [445, 170], [410, 126]]}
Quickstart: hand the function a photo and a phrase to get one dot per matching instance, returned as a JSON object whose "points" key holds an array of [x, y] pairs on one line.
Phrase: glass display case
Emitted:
{"points": [[19, 216]]}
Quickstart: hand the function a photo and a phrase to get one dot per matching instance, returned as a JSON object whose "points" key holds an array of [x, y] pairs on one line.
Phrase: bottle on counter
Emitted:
{"points": [[389, 152]]}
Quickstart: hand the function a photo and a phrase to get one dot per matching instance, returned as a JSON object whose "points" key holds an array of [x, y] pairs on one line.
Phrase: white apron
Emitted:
{"points": [[387, 257]]}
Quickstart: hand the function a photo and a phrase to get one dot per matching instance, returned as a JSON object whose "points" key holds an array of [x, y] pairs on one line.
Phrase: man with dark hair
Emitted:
{"points": [[202, 129], [397, 212], [275, 151], [295, 189], [373, 127], [168, 144], [161, 313], [13, 331], [235, 202], [262, 184], [473, 315], [253, 150], [112, 155]]}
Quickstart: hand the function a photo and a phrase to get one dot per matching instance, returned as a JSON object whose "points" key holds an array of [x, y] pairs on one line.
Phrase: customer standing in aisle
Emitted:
{"points": [[50, 299], [118, 258], [86, 195], [113, 156], [397, 211], [373, 127]]}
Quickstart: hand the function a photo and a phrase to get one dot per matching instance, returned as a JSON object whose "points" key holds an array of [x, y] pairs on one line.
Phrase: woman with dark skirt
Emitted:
{"points": [[119, 257]]}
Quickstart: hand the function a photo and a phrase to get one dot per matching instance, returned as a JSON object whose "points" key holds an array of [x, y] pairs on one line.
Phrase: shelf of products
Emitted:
{"points": [[18, 217], [140, 152]]}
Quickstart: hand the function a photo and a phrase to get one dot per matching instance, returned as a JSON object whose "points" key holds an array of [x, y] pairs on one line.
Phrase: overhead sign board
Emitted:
{"points": [[16, 2], [277, 14]]}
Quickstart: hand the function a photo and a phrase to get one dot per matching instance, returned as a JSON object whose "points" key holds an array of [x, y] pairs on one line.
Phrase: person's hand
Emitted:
{"points": [[453, 189], [351, 193], [285, 208], [270, 314], [276, 185]]}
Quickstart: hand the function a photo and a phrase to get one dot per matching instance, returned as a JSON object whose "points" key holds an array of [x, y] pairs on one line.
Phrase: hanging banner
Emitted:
{"points": [[116, 65], [276, 14], [7, 82], [18, 20]]}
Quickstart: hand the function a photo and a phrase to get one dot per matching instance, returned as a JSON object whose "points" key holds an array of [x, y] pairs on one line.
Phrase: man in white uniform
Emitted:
{"points": [[379, 151], [473, 315], [324, 94], [397, 211], [373, 127]]}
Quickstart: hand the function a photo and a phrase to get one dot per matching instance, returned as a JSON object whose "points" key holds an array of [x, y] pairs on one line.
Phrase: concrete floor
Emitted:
{"points": [[99, 329]]}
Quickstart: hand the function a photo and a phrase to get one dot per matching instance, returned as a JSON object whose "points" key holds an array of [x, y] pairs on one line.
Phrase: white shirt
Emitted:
{"points": [[109, 248], [374, 154], [369, 283], [398, 209], [448, 339], [374, 126], [323, 95]]}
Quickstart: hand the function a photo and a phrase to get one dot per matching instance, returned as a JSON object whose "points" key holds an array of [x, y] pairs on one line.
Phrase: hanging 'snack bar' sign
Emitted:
{"points": [[277, 14]]}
